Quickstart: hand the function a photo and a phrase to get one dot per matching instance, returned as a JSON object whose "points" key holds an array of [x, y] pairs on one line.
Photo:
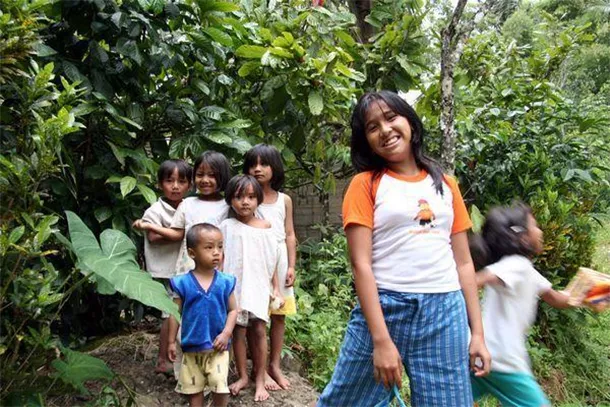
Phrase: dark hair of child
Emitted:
{"points": [[167, 167], [237, 186], [219, 164], [193, 236], [501, 235], [269, 155], [363, 157]]}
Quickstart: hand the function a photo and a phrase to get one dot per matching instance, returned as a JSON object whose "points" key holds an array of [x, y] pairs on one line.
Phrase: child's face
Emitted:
{"points": [[244, 203], [208, 252], [174, 187], [388, 134], [205, 180], [263, 173], [534, 235]]}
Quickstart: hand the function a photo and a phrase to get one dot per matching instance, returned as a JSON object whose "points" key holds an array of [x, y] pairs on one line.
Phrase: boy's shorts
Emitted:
{"points": [[511, 389], [201, 369]]}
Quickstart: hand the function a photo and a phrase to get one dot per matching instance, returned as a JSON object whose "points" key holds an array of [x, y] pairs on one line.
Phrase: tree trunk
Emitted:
{"points": [[454, 37], [361, 9]]}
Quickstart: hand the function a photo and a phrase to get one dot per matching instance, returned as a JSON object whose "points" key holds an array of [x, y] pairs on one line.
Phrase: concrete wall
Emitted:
{"points": [[309, 209]]}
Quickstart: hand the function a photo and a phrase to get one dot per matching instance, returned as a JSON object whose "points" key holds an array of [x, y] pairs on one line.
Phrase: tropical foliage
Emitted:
{"points": [[94, 94]]}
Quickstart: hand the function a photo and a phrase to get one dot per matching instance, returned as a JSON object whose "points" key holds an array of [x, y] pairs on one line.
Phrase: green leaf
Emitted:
{"points": [[115, 261], [236, 124], [218, 137], [316, 104], [16, 234], [477, 219], [154, 6], [43, 50], [147, 193], [211, 5], [129, 48], [127, 185], [219, 36], [281, 52], [78, 368], [102, 214], [247, 68], [202, 86], [250, 51]]}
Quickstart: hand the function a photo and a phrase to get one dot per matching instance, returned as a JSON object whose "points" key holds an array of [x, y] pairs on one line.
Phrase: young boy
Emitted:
{"points": [[209, 313], [161, 254]]}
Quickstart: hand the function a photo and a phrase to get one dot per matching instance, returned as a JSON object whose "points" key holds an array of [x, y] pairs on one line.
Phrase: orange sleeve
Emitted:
{"points": [[461, 220], [359, 200]]}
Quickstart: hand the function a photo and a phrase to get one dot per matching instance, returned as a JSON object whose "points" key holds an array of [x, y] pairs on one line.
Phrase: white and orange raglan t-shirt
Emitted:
{"points": [[412, 226]]}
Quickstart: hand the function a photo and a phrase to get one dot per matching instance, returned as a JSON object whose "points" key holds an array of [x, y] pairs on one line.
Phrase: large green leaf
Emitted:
{"points": [[78, 368], [316, 104], [115, 262], [250, 51], [219, 36], [127, 185], [212, 5]]}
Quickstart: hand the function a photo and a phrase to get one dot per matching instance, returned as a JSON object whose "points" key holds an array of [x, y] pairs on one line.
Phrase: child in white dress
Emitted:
{"points": [[251, 255], [264, 163]]}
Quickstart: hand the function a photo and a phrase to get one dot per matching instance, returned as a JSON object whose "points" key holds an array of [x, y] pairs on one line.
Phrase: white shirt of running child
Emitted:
{"points": [[192, 211], [509, 310], [161, 258]]}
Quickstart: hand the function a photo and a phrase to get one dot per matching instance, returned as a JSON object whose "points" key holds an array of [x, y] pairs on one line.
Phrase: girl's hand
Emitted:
{"points": [[139, 224], [290, 277], [480, 359], [387, 364], [221, 343], [171, 351]]}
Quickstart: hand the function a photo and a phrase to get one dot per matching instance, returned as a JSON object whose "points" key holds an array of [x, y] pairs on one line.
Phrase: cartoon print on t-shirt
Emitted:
{"points": [[425, 214]]}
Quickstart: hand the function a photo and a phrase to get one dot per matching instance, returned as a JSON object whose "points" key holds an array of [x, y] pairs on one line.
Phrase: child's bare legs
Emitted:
{"points": [[239, 350], [220, 400], [278, 327], [162, 362], [196, 400], [259, 357]]}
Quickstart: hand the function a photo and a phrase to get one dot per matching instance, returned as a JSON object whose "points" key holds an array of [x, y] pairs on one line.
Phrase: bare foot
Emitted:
{"points": [[237, 386], [164, 367], [278, 377], [271, 384], [261, 393]]}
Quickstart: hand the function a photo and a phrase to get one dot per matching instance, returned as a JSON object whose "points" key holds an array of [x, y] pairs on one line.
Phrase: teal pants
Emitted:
{"points": [[511, 389]]}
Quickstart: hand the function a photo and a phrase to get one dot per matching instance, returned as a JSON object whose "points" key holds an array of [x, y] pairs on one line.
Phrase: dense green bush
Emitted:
{"points": [[325, 297]]}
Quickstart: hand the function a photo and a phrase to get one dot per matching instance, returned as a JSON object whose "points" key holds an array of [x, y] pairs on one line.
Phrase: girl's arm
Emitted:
{"points": [[465, 268], [556, 299], [156, 238], [485, 277], [173, 332], [386, 359], [221, 343], [291, 243], [175, 235]]}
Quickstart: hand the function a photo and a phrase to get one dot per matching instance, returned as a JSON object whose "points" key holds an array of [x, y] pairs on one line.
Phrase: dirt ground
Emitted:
{"points": [[133, 357]]}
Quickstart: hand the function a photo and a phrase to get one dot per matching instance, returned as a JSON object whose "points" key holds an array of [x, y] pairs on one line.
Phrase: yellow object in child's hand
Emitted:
{"points": [[590, 288]]}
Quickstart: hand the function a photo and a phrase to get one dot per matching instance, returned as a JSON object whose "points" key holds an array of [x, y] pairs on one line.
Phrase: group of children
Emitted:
{"points": [[406, 226], [227, 257]]}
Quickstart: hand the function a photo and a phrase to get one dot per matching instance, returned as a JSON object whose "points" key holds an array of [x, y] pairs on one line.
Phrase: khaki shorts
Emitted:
{"points": [[201, 369]]}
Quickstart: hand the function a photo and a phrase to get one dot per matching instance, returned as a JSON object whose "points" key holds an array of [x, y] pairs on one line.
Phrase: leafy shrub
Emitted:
{"points": [[325, 298], [521, 138]]}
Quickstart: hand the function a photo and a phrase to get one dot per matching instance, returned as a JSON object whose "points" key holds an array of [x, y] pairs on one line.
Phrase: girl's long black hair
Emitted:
{"points": [[218, 163], [502, 235], [363, 157], [270, 156]]}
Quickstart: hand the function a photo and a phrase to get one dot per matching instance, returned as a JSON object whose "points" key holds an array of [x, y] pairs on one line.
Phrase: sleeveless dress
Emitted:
{"points": [[275, 213]]}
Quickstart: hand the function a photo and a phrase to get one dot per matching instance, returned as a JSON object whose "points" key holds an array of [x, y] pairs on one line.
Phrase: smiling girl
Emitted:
{"points": [[406, 226]]}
